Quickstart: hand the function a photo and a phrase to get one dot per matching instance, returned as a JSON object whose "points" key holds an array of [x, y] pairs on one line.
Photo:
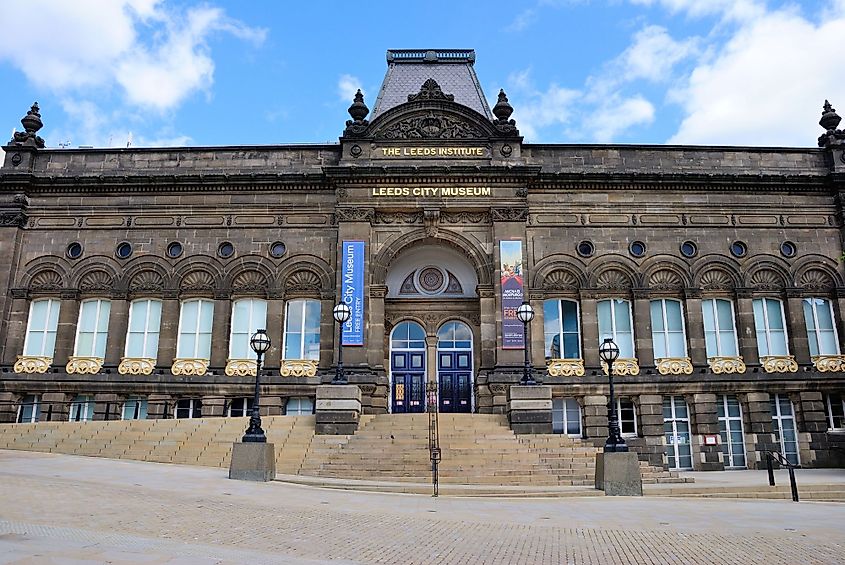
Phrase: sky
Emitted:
{"points": [[108, 73]]}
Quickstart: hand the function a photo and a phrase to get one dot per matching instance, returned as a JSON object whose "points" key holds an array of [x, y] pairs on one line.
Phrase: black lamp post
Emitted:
{"points": [[525, 313], [609, 352], [341, 315], [260, 343]]}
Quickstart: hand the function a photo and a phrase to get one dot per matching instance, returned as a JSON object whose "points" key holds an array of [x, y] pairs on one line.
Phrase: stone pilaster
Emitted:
{"points": [[338, 409], [375, 350], [66, 331], [706, 422], [644, 349], [169, 332], [214, 405], [595, 418], [746, 334], [812, 425], [530, 409], [488, 325], [118, 324], [696, 346], [9, 402], [220, 333], [329, 334], [537, 339], [797, 327], [590, 331], [759, 431], [160, 406], [275, 329], [651, 427], [16, 327]]}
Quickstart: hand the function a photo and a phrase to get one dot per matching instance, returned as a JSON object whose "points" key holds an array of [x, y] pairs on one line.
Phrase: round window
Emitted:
{"points": [[637, 249], [123, 250], [174, 249], [689, 249], [74, 250], [431, 280], [277, 249], [226, 250], [586, 248], [738, 249], [787, 249]]}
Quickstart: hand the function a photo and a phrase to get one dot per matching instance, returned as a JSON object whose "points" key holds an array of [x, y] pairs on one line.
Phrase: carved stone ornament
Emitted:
{"points": [[498, 389], [431, 126], [46, 280], [14, 219], [815, 279], [779, 363], [465, 217], [726, 365], [674, 366], [189, 367], [358, 110], [84, 365], [298, 368], [766, 279], [430, 90], [829, 121], [136, 366], [566, 367], [716, 279], [249, 281], [241, 367], [197, 281], [623, 367], [613, 279], [146, 281], [32, 364], [829, 363], [389, 218], [31, 124], [96, 280], [509, 214], [431, 220], [560, 280], [503, 110], [303, 281], [665, 279], [354, 214]]}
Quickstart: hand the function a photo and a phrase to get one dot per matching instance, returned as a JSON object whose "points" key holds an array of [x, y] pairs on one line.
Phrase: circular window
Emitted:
{"points": [[74, 250], [277, 249], [586, 248], [174, 249], [637, 249], [689, 249], [787, 249], [431, 280], [123, 250], [739, 249], [226, 250]]}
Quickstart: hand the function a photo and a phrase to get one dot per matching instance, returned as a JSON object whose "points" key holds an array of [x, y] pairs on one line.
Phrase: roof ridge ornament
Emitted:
{"points": [[430, 90], [829, 121], [503, 110], [31, 124]]}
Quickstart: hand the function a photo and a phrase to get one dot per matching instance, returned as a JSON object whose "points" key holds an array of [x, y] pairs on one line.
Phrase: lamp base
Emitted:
{"points": [[254, 461], [618, 474]]}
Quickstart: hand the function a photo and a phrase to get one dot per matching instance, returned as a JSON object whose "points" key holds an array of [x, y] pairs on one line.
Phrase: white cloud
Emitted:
{"points": [[654, 54], [766, 84], [522, 20], [616, 115], [347, 87], [727, 9]]}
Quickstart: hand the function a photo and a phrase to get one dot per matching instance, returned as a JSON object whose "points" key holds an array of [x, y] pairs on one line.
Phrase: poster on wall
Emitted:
{"points": [[510, 259], [352, 291]]}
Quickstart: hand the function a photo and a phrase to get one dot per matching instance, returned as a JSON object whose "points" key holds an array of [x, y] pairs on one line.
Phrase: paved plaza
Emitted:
{"points": [[76, 510]]}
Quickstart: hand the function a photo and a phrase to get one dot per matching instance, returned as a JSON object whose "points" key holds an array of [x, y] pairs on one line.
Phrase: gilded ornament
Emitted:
{"points": [[779, 364], [624, 367], [566, 367], [241, 367], [189, 367], [84, 365], [829, 363], [674, 366], [136, 366], [32, 364], [726, 365], [298, 368]]}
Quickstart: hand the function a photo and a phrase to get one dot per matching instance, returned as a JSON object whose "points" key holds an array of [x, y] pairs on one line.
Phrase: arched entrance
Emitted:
{"points": [[407, 368], [454, 367]]}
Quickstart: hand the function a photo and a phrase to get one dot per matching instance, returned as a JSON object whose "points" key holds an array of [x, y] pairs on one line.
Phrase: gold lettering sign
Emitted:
{"points": [[430, 191], [434, 152]]}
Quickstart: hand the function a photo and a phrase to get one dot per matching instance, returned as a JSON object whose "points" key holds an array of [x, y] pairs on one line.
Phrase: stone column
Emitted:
{"points": [[696, 345], [706, 422], [746, 334], [329, 338], [430, 358], [118, 324], [642, 329], [220, 331], [595, 418], [530, 409], [651, 427], [538, 339], [589, 330], [275, 329], [338, 409], [16, 327], [375, 347], [487, 304], [812, 425], [797, 327], [169, 332], [759, 430], [66, 332]]}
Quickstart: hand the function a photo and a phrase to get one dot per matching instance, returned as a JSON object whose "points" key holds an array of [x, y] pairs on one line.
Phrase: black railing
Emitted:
{"points": [[433, 437], [771, 457]]}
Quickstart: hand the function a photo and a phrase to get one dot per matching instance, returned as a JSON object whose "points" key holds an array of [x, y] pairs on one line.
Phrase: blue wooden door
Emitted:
{"points": [[408, 371], [454, 375]]}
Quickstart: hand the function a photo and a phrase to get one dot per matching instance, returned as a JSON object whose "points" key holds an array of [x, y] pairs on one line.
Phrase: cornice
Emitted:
{"points": [[660, 181]]}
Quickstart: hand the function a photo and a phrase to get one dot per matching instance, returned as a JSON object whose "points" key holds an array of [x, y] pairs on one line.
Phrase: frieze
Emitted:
{"points": [[354, 214], [13, 219], [509, 214], [465, 217], [431, 126], [398, 218]]}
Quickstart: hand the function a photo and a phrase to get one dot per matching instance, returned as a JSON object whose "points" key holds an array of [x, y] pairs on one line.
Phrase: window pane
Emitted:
{"points": [[728, 343], [673, 316], [710, 344], [87, 316], [774, 310], [778, 342], [707, 315], [657, 316], [570, 315], [240, 316], [677, 345], [605, 323], [204, 346], [823, 313], [827, 343], [293, 345], [187, 346], [808, 314], [103, 319], [206, 316], [571, 346], [138, 315], [759, 321], [38, 315], [623, 315], [725, 315], [190, 311]]}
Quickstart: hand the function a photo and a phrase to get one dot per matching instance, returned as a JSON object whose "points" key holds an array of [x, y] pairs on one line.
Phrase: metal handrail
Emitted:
{"points": [[778, 456]]}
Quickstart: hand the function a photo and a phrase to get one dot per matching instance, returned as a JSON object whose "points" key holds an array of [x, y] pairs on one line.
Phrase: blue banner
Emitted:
{"points": [[352, 291]]}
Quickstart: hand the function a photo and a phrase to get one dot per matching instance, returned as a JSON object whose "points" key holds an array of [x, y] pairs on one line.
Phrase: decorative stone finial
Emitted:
{"points": [[31, 124], [503, 110], [829, 121], [358, 110], [430, 90]]}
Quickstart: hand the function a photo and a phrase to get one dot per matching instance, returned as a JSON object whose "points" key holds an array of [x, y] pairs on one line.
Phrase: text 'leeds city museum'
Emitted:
{"points": [[132, 279]]}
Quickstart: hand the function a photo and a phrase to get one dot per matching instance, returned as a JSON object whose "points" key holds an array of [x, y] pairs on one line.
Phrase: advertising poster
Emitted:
{"points": [[352, 291], [510, 256]]}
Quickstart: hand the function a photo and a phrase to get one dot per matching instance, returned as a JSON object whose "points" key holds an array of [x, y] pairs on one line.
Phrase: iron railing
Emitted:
{"points": [[771, 457]]}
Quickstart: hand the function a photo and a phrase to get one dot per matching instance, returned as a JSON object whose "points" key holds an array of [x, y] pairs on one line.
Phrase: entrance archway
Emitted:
{"points": [[454, 367], [407, 368]]}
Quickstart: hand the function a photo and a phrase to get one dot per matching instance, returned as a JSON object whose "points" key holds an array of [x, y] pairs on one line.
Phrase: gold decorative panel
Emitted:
{"points": [[84, 365], [624, 367], [189, 367], [241, 367], [298, 368], [29, 364], [829, 363], [136, 366], [674, 366], [726, 365], [566, 367], [779, 364]]}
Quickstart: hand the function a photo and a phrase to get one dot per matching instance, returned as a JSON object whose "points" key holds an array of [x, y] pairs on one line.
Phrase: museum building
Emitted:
{"points": [[131, 279]]}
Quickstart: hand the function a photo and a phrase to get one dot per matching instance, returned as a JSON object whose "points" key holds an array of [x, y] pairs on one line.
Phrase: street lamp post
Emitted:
{"points": [[525, 313], [609, 352], [341, 315], [260, 343]]}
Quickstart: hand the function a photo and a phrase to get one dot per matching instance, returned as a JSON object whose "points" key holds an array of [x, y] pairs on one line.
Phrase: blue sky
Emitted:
{"points": [[161, 72]]}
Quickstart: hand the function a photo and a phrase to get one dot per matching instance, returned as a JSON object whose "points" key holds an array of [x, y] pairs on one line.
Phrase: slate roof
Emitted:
{"points": [[408, 69]]}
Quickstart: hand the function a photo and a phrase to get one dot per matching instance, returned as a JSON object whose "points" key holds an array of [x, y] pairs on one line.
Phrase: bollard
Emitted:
{"points": [[770, 469]]}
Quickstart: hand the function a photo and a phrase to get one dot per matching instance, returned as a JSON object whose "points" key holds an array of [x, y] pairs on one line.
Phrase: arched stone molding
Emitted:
{"points": [[198, 275], [715, 273], [807, 271], [39, 273], [666, 273], [147, 276], [250, 276], [613, 274], [390, 323], [559, 274], [297, 266], [97, 275], [448, 274], [480, 261], [767, 273]]}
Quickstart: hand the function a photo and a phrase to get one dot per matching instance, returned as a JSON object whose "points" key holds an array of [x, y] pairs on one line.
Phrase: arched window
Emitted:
{"points": [[144, 326], [454, 335], [408, 335], [719, 328], [41, 328], [248, 315], [93, 328], [302, 330], [615, 322], [770, 324], [667, 329], [562, 329], [195, 329], [821, 331]]}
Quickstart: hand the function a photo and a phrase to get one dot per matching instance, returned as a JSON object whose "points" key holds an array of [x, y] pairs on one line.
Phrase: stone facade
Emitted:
{"points": [[436, 174]]}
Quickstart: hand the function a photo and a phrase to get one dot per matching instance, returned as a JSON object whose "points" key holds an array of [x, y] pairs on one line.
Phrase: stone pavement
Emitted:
{"points": [[77, 510]]}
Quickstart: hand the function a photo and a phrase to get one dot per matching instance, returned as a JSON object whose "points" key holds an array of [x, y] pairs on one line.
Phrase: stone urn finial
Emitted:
{"points": [[31, 124], [502, 110], [830, 119], [358, 110]]}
